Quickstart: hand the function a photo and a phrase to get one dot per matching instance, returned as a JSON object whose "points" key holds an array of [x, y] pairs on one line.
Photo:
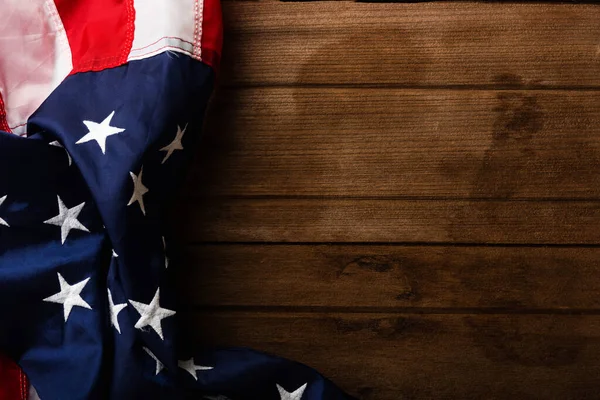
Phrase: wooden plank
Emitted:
{"points": [[356, 220], [396, 277], [411, 356], [402, 143], [424, 44]]}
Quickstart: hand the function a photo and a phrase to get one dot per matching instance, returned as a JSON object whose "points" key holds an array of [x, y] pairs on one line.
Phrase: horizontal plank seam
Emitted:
{"points": [[389, 310], [202, 197], [467, 1], [409, 87], [416, 1], [398, 244]]}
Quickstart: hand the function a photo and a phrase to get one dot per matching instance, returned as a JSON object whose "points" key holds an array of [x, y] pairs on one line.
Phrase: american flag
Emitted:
{"points": [[100, 103]]}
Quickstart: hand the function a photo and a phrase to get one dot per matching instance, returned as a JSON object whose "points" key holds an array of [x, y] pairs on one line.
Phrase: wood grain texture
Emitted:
{"points": [[377, 188], [438, 43], [368, 220], [402, 143], [426, 278], [411, 356]]}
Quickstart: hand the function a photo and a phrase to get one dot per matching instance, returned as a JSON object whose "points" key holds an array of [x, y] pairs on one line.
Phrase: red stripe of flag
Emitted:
{"points": [[3, 123], [100, 32], [212, 33], [13, 383]]}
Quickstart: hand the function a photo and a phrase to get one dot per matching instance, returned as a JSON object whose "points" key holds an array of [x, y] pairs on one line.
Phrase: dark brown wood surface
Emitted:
{"points": [[427, 355], [404, 196], [402, 142], [424, 44], [384, 220], [393, 277]]}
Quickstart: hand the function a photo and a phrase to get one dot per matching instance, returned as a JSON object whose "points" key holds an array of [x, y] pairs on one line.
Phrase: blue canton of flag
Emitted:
{"points": [[87, 307]]}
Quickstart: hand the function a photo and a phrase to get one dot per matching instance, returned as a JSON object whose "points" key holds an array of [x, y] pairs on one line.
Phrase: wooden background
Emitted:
{"points": [[404, 196]]}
